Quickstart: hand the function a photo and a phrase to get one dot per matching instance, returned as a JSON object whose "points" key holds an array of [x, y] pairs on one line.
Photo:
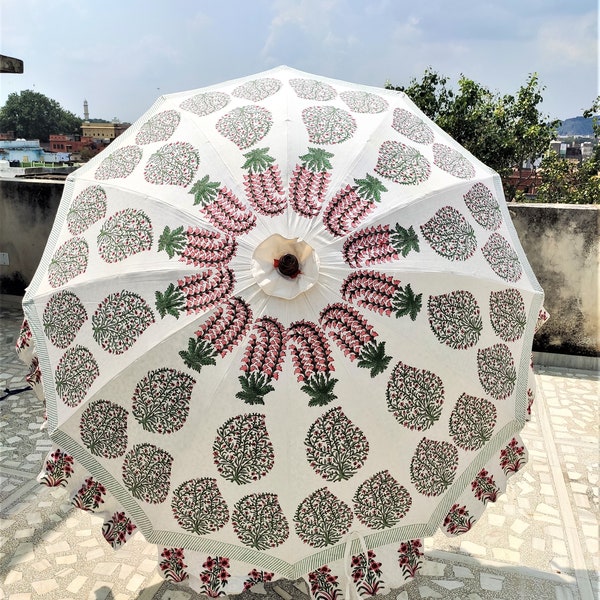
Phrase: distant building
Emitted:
{"points": [[21, 151], [103, 131], [69, 143]]}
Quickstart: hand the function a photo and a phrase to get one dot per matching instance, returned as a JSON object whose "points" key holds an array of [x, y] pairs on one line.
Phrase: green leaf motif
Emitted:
{"points": [[199, 353], [317, 160], [205, 191], [320, 389], [171, 301], [255, 386], [172, 241], [404, 240], [370, 188], [406, 302], [415, 397], [373, 357]]}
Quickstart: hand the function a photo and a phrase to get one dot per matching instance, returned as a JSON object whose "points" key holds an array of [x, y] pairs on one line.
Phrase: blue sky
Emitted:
{"points": [[121, 54]]}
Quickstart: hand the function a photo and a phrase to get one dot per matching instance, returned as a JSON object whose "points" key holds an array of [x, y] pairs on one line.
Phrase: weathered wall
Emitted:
{"points": [[561, 242], [562, 245], [27, 211]]}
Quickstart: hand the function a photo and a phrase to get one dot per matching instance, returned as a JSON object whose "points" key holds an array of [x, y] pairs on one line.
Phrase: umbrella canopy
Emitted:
{"points": [[283, 327]]}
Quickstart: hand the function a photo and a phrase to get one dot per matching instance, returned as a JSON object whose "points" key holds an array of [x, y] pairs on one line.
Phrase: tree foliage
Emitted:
{"points": [[503, 131], [33, 116]]}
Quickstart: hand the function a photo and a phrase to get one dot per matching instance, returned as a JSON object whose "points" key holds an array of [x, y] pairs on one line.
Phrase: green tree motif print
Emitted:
{"points": [[452, 162], [103, 429], [381, 293], [379, 244], [328, 124], [58, 469], [264, 189], [484, 487], [412, 127], [63, 317], [259, 522], [74, 375], [502, 257], [263, 360], [472, 422], [199, 507], [158, 128], [322, 519], [198, 246], [196, 293], [355, 337], [124, 234], [507, 314], [483, 206], [433, 466], [455, 319], [450, 234], [245, 126], [257, 89], [352, 204], [224, 329], [380, 501], [364, 102], [147, 473], [415, 397], [496, 370], [88, 207], [173, 164], [90, 495], [242, 450], [312, 89], [69, 260], [206, 103], [335, 448], [309, 182], [119, 164], [119, 321], [222, 207], [402, 164], [313, 364], [161, 400]]}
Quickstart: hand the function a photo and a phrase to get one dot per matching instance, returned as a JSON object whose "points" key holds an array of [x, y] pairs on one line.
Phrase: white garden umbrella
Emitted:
{"points": [[284, 329]]}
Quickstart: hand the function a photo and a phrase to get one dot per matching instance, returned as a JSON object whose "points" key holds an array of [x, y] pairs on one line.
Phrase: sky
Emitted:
{"points": [[121, 55]]}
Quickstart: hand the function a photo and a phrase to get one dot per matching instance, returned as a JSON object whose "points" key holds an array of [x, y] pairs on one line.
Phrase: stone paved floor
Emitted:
{"points": [[539, 541]]}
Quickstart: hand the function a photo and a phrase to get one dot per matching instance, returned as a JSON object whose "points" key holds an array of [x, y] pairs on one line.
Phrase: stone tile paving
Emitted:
{"points": [[539, 541]]}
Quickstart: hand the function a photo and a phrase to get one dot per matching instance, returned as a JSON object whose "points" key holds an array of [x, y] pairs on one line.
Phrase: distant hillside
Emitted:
{"points": [[576, 126]]}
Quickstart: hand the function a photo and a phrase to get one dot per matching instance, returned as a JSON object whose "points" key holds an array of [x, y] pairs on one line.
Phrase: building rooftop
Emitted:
{"points": [[538, 541]]}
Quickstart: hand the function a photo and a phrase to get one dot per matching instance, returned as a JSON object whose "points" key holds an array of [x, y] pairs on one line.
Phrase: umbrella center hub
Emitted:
{"points": [[285, 267]]}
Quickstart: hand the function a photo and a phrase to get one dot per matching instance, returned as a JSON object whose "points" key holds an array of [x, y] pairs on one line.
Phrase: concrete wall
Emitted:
{"points": [[27, 211], [561, 242]]}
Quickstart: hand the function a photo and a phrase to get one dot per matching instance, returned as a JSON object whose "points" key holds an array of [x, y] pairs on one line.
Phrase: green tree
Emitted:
{"points": [[503, 131], [568, 182], [32, 115]]}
